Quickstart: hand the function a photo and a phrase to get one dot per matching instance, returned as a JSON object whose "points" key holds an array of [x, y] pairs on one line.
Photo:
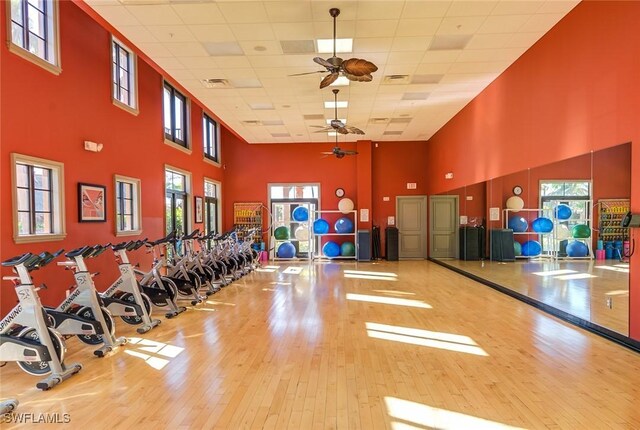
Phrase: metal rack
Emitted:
{"points": [[610, 214], [248, 215], [538, 213], [317, 238]]}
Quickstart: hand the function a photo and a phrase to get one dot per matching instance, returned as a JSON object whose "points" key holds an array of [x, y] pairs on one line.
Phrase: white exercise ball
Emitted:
{"points": [[302, 233], [345, 205], [515, 203], [563, 232]]}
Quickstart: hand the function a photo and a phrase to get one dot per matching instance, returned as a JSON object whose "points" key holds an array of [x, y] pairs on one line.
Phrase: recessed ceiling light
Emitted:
{"points": [[340, 82], [325, 46], [332, 105], [259, 48], [415, 96], [449, 41], [268, 122], [223, 48], [246, 83], [313, 116], [297, 46], [344, 121], [426, 79], [261, 106]]}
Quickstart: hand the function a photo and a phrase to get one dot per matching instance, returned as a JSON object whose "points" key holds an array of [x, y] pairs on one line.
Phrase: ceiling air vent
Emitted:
{"points": [[313, 117], [395, 79], [392, 133], [378, 120], [252, 122], [215, 83], [280, 135], [400, 120]]}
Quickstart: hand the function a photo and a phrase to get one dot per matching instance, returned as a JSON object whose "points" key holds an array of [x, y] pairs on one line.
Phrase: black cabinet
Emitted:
{"points": [[391, 243], [502, 245], [472, 243]]}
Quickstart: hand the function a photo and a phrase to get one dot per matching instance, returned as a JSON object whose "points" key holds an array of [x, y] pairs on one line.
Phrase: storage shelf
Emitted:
{"points": [[317, 238]]}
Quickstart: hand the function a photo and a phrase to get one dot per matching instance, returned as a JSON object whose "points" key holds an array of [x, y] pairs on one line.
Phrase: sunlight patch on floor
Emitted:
{"points": [[370, 277], [155, 354], [293, 270], [554, 272], [388, 300], [395, 292], [419, 416], [617, 268], [575, 276], [363, 272], [618, 293]]}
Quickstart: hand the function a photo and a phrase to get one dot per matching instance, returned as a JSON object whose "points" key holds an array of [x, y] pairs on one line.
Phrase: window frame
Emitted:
{"points": [[52, 38], [210, 142], [136, 205], [132, 75], [188, 222], [169, 138], [216, 200], [58, 224]]}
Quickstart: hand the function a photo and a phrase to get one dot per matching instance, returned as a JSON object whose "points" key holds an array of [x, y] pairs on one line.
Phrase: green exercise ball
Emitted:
{"points": [[581, 231], [517, 248], [281, 233], [347, 249]]}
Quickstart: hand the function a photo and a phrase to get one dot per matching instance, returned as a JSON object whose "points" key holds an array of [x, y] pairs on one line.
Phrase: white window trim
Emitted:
{"points": [[218, 185], [134, 110], [56, 67], [57, 183], [187, 120], [187, 187], [137, 209]]}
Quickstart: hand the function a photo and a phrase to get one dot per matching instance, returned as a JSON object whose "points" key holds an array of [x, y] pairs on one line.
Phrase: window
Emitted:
{"points": [[211, 189], [128, 212], [34, 32], [38, 197], [175, 116], [176, 201], [210, 138], [123, 73]]}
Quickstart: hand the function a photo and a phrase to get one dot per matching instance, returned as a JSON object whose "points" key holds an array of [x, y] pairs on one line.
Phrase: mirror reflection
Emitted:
{"points": [[551, 233]]}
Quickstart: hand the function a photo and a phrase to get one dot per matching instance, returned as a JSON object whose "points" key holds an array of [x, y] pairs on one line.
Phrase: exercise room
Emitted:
{"points": [[310, 214]]}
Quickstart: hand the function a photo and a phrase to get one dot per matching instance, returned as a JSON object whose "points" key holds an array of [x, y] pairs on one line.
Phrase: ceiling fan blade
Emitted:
{"points": [[363, 78], [321, 126], [354, 130], [327, 153], [358, 67], [342, 130], [324, 130], [349, 152], [308, 73], [323, 62], [328, 80]]}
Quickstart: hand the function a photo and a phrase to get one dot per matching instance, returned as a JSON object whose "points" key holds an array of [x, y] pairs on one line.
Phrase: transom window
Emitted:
{"points": [[34, 31], [210, 138], [175, 116], [123, 75], [38, 197], [128, 216]]}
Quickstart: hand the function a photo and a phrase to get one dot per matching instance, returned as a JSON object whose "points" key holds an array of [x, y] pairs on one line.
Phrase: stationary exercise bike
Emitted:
{"points": [[7, 406], [86, 296], [24, 334]]}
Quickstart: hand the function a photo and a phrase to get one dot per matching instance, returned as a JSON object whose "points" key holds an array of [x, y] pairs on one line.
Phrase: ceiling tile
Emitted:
{"points": [[189, 49], [418, 27], [169, 63], [487, 67], [540, 23], [460, 25], [155, 14], [288, 11], [233, 62], [372, 44], [243, 12], [117, 15], [199, 62], [212, 33], [293, 31], [171, 33], [411, 43], [254, 31], [378, 28], [511, 7], [522, 40], [441, 56], [503, 24], [137, 34], [261, 47], [471, 8], [199, 13], [488, 41], [558, 6], [155, 49], [324, 30], [431, 9], [480, 55], [379, 9], [432, 68]]}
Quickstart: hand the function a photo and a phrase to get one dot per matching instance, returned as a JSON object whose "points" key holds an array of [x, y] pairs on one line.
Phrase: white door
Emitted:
{"points": [[412, 226], [443, 226]]}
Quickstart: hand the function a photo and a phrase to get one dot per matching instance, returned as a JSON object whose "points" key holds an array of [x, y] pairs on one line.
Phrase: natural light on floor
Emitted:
{"points": [[555, 272], [293, 270], [155, 354], [618, 293], [622, 268], [575, 276], [369, 277], [388, 300], [269, 269], [363, 272], [431, 339], [412, 415], [395, 292]]}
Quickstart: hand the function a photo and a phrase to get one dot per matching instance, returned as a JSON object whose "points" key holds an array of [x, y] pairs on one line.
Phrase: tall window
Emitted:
{"points": [[38, 196], [210, 206], [128, 217], [210, 138], [175, 116], [176, 201], [123, 75], [34, 32]]}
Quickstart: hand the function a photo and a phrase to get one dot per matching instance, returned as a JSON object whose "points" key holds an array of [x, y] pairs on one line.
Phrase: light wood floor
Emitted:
{"points": [[596, 291], [412, 346]]}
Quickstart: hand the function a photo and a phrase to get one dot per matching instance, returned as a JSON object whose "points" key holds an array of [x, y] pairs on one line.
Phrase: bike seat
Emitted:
{"points": [[191, 235], [20, 259], [121, 245], [77, 252]]}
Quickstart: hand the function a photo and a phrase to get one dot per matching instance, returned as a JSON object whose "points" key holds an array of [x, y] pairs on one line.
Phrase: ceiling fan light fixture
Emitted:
{"points": [[325, 46], [340, 82], [344, 121]]}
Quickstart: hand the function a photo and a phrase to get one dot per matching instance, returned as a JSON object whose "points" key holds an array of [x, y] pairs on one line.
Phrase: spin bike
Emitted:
{"points": [[7, 406], [86, 296], [126, 290], [24, 334]]}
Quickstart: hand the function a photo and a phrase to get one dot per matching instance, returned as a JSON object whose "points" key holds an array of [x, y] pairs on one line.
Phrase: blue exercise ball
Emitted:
{"points": [[518, 224], [542, 225], [344, 225], [517, 248], [331, 249], [576, 248], [286, 250], [300, 213], [531, 248], [320, 226], [562, 211]]}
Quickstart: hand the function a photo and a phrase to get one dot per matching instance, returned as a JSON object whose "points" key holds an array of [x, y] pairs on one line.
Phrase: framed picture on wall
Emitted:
{"points": [[92, 202], [199, 209]]}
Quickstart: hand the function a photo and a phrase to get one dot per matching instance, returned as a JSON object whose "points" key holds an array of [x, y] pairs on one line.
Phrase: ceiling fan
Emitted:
{"points": [[354, 69], [339, 153], [335, 124]]}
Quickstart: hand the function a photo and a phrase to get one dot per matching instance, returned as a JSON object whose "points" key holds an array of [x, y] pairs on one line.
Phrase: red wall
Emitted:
{"points": [[573, 92], [50, 117]]}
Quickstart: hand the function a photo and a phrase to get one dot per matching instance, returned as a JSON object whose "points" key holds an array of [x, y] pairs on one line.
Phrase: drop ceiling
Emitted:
{"points": [[236, 56]]}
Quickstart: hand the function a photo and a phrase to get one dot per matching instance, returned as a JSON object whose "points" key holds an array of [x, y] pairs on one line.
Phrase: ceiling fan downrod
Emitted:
{"points": [[334, 12]]}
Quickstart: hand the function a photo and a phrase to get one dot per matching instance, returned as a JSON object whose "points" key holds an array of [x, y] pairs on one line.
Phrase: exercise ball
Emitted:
{"points": [[575, 248], [542, 225], [331, 249], [343, 225], [345, 205], [562, 211], [286, 250], [300, 213], [581, 231], [281, 233], [348, 249], [531, 248], [518, 224], [517, 248], [302, 233], [515, 203], [562, 232], [320, 226]]}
